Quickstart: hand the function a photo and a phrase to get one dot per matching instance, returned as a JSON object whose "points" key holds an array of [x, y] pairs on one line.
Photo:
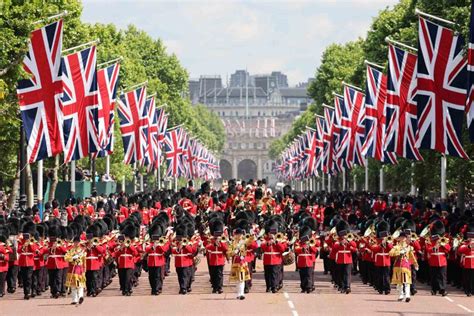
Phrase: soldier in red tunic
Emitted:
{"points": [[306, 251], [216, 251], [343, 249], [437, 249], [382, 262], [26, 253], [5, 252], [466, 250], [156, 259]]}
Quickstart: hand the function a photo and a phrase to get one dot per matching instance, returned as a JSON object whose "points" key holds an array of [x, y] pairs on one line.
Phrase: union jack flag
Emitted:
{"points": [[80, 104], [310, 151], [107, 82], [191, 155], [39, 96], [354, 100], [174, 151], [150, 147], [187, 172], [400, 110], [470, 86], [441, 95], [319, 142], [328, 152], [376, 93], [133, 120], [343, 121]]}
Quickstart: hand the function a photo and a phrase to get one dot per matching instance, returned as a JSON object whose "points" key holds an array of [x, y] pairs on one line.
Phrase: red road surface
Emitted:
{"points": [[324, 301]]}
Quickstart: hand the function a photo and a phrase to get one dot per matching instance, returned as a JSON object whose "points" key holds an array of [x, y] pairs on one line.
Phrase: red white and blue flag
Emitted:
{"points": [[133, 120], [343, 121], [174, 152], [39, 96], [107, 82], [374, 121], [441, 84], [310, 151], [354, 101], [470, 73], [80, 104], [400, 108], [328, 151], [150, 131]]}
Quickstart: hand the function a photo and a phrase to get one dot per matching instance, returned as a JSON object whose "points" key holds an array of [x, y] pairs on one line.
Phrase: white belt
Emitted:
{"points": [[155, 254], [305, 254], [26, 253], [271, 253], [56, 256], [126, 255], [469, 257], [182, 255], [438, 253], [92, 258], [215, 252], [344, 251], [381, 254]]}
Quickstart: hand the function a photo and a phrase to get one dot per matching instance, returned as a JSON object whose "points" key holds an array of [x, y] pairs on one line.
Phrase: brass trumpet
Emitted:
{"points": [[162, 240], [350, 237], [443, 241], [413, 236], [312, 242]]}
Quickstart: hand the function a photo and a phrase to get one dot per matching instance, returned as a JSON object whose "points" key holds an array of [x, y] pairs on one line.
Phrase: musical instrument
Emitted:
{"points": [[425, 233], [369, 231], [443, 241], [312, 242], [288, 258], [413, 236]]}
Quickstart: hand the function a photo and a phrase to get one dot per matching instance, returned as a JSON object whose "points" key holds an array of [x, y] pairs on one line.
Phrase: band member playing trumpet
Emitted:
{"points": [[26, 251], [239, 271], [382, 262], [306, 251], [76, 276], [404, 258], [466, 250], [216, 250], [183, 250], [156, 261], [125, 255], [93, 263], [343, 249], [5, 251], [273, 249], [56, 262], [437, 250]]}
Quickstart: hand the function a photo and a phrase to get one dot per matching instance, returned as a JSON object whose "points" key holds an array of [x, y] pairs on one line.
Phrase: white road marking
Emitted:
{"points": [[449, 299], [286, 295], [295, 313], [465, 308], [290, 303]]}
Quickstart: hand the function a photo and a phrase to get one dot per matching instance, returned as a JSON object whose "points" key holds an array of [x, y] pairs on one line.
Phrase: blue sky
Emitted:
{"points": [[218, 37]]}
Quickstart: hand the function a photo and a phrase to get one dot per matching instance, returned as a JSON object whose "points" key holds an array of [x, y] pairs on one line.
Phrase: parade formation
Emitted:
{"points": [[401, 241], [299, 221]]}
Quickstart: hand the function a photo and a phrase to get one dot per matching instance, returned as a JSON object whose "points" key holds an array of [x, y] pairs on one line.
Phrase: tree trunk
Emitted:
{"points": [[30, 191], [54, 183], [15, 188]]}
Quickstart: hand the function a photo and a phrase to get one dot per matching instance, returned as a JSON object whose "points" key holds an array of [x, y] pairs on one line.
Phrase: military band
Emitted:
{"points": [[387, 243]]}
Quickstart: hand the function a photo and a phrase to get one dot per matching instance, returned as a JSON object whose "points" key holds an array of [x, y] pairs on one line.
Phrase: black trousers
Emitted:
{"points": [[92, 281], [105, 276], [125, 277], [27, 278], [155, 276], [371, 272], [248, 283], [272, 275], [438, 278], [344, 271], [468, 281], [306, 278], [35, 280], [383, 278], [55, 279], [12, 276], [217, 276], [3, 277], [413, 279], [184, 277], [63, 280], [363, 271], [43, 279], [281, 275]]}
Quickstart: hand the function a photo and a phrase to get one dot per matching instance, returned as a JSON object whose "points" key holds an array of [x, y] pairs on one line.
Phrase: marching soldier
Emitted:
{"points": [[55, 264], [156, 252], [216, 250], [272, 250], [125, 255], [437, 249], [94, 252], [76, 276], [5, 252], [382, 259], [343, 249], [466, 250], [26, 251], [183, 250], [306, 251]]}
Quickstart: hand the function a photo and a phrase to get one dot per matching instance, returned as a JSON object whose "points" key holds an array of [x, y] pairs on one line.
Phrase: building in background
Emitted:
{"points": [[255, 110]]}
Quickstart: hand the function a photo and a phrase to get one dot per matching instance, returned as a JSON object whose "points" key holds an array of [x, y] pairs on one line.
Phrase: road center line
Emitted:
{"points": [[290, 303], [465, 308], [295, 313], [449, 299], [285, 294]]}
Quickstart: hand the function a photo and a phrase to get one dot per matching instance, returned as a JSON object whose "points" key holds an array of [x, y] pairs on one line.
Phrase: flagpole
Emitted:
{"points": [[401, 45], [381, 180], [141, 182], [107, 166], [135, 177], [123, 184], [343, 179], [426, 15], [92, 162], [110, 62], [353, 87], [374, 64], [96, 41], [175, 184], [59, 15], [159, 174], [144, 83], [329, 182], [444, 163], [412, 188], [39, 193], [355, 183], [73, 177], [323, 182], [366, 174]]}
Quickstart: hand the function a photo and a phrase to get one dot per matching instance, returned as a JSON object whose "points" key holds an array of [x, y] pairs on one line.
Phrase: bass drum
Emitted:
{"points": [[196, 260], [288, 258]]}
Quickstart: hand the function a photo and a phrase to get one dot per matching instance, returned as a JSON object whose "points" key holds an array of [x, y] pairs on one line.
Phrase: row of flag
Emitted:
{"points": [[68, 106], [419, 104]]}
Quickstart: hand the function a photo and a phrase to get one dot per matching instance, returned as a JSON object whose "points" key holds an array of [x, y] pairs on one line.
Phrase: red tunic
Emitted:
{"points": [[156, 254], [272, 252], [216, 253]]}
